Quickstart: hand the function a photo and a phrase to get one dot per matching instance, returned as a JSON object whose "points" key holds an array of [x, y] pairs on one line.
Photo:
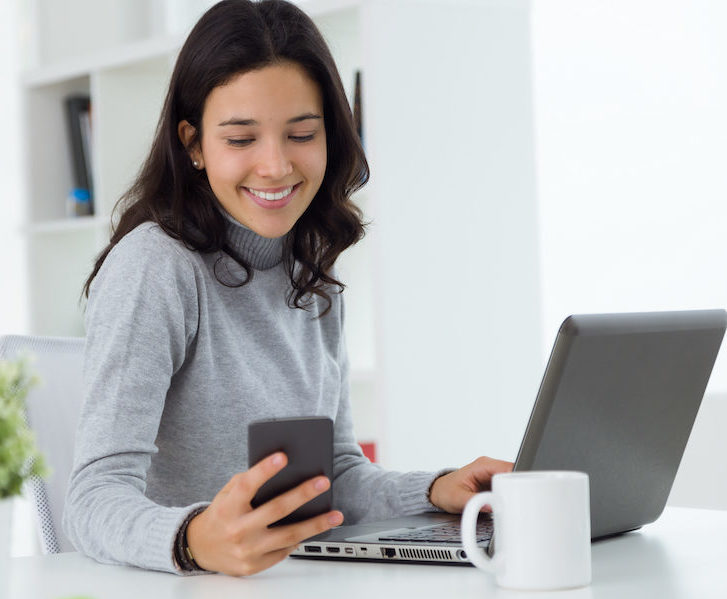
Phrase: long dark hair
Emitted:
{"points": [[233, 37]]}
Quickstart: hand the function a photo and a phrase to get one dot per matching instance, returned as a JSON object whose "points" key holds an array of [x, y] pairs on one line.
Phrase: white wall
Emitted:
{"points": [[13, 313], [631, 130], [455, 228], [631, 145]]}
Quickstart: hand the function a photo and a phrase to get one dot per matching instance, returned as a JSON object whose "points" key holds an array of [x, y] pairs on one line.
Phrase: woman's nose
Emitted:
{"points": [[273, 161]]}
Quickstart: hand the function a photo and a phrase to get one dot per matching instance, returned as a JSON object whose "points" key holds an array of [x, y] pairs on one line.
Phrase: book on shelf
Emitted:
{"points": [[79, 201], [358, 106]]}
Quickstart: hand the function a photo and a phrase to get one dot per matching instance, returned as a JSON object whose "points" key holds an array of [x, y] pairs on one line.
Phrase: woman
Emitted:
{"points": [[215, 304]]}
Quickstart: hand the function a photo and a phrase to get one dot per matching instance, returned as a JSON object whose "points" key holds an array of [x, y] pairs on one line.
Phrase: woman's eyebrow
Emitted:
{"points": [[251, 122], [304, 117]]}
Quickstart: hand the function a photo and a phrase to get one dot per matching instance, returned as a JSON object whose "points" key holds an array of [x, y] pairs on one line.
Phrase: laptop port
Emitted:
{"points": [[349, 550], [388, 552], [462, 555], [333, 549], [312, 549]]}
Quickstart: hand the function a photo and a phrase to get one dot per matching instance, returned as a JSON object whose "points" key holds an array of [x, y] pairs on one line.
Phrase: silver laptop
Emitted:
{"points": [[618, 400]]}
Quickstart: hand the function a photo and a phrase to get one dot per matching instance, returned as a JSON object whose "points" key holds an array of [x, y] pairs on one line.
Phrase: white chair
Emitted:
{"points": [[53, 407]]}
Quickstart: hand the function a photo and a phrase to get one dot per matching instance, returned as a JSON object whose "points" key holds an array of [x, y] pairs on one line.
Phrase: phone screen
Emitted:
{"points": [[308, 443]]}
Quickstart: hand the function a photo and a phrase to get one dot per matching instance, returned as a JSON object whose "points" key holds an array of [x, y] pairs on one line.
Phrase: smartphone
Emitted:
{"points": [[308, 443]]}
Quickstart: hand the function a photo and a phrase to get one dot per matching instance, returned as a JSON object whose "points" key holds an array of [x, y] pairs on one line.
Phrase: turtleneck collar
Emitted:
{"points": [[260, 252]]}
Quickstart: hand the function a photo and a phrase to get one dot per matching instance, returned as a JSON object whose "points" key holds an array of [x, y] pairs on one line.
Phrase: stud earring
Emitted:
{"points": [[195, 164]]}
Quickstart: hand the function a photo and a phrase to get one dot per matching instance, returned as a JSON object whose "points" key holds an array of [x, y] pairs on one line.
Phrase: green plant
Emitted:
{"points": [[19, 456]]}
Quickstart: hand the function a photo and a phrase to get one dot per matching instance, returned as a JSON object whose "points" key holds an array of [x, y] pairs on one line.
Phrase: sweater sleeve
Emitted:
{"points": [[140, 318], [363, 491]]}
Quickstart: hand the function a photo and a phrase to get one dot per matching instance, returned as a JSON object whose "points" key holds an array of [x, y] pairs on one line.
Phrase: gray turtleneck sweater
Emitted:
{"points": [[177, 365]]}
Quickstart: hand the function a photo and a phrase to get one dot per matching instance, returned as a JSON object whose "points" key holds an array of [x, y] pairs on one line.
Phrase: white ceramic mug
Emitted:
{"points": [[542, 530]]}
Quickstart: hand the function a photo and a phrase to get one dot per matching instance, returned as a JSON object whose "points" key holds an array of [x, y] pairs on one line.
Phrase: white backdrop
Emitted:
{"points": [[631, 146], [13, 313], [631, 151]]}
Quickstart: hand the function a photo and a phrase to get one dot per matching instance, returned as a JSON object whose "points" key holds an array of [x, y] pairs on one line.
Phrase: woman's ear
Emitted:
{"points": [[187, 134]]}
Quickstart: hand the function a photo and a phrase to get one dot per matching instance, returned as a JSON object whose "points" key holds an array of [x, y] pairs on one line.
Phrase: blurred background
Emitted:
{"points": [[530, 159]]}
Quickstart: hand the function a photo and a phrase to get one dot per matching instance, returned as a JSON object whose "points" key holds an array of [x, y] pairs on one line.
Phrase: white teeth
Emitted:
{"points": [[270, 196]]}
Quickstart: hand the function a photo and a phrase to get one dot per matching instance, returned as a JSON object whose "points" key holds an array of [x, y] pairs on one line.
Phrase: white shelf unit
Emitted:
{"points": [[126, 97], [443, 308]]}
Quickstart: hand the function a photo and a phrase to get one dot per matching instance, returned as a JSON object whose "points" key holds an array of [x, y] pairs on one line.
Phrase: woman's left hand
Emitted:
{"points": [[452, 491]]}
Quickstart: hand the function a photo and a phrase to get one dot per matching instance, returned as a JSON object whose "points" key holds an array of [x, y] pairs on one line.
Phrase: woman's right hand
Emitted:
{"points": [[233, 538]]}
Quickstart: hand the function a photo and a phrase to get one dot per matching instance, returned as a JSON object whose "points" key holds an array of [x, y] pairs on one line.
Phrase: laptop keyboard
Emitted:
{"points": [[447, 533]]}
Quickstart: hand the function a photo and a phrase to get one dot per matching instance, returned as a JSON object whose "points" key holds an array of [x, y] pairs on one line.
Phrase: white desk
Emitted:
{"points": [[681, 556]]}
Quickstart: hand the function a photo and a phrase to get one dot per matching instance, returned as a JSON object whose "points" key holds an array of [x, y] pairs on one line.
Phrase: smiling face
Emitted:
{"points": [[263, 146]]}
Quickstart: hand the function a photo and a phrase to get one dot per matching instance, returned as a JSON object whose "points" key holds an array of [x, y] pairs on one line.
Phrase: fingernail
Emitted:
{"points": [[321, 484], [335, 519], [277, 459]]}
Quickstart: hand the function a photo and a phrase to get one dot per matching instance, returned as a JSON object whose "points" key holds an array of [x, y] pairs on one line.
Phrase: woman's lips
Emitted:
{"points": [[272, 198]]}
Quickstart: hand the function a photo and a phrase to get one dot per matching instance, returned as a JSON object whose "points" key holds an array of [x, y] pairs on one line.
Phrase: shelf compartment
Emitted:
{"points": [[48, 147], [125, 123]]}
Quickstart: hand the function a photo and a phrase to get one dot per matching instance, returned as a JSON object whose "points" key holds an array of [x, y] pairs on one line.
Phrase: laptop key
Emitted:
{"points": [[444, 533]]}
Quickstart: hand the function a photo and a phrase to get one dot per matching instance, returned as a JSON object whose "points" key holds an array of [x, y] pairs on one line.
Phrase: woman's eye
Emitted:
{"points": [[302, 138], [239, 142]]}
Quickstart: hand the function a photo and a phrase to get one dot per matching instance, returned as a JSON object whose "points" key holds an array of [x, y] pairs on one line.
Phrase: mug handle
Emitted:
{"points": [[475, 554]]}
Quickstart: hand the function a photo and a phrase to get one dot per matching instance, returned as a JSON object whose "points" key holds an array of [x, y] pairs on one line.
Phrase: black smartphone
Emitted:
{"points": [[308, 443]]}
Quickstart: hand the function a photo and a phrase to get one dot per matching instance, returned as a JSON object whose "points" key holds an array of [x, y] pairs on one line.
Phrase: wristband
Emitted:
{"points": [[182, 553]]}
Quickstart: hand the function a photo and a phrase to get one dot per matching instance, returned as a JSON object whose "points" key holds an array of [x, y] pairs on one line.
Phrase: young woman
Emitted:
{"points": [[216, 304]]}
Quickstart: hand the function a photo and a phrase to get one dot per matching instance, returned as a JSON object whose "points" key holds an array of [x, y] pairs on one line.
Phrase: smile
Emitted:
{"points": [[270, 196], [273, 199]]}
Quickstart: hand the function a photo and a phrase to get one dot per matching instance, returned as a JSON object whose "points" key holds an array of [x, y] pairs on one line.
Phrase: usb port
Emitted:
{"points": [[312, 549], [333, 549]]}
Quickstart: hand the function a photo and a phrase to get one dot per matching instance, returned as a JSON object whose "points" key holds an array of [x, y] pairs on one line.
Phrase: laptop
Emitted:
{"points": [[618, 400]]}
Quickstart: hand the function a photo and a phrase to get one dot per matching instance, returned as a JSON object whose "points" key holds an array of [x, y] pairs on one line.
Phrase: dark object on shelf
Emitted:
{"points": [[357, 107], [78, 110]]}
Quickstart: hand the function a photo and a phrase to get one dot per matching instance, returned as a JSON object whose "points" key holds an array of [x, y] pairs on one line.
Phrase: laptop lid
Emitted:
{"points": [[618, 400]]}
